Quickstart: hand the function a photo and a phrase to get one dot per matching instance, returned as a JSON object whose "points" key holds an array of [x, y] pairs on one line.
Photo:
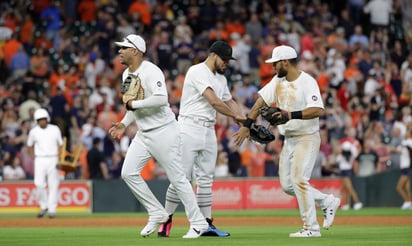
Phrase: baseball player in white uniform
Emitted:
{"points": [[44, 144], [403, 187], [297, 94], [158, 137], [205, 91]]}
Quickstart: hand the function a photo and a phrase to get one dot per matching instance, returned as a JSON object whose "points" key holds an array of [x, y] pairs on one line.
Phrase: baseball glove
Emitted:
{"points": [[132, 89], [274, 115], [261, 134]]}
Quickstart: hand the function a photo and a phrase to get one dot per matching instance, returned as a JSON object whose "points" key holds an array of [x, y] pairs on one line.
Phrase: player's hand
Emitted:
{"points": [[240, 119], [116, 130], [241, 135]]}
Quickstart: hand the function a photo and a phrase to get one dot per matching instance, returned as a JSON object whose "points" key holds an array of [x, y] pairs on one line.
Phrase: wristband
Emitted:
{"points": [[248, 123], [296, 115]]}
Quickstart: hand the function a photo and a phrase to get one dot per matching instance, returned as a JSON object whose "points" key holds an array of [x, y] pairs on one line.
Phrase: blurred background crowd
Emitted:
{"points": [[60, 55]]}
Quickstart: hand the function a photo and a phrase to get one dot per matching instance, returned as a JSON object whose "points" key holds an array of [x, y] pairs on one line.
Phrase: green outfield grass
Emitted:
{"points": [[241, 235], [279, 212]]}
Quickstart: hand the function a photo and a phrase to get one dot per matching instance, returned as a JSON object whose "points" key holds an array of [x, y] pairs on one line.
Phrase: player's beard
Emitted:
{"points": [[218, 69], [282, 72]]}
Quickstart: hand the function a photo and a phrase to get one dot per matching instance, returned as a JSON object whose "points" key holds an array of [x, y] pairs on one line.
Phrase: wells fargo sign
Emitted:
{"points": [[21, 197]]}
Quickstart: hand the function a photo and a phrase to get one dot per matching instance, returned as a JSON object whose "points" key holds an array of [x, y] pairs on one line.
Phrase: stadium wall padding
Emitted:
{"points": [[114, 196]]}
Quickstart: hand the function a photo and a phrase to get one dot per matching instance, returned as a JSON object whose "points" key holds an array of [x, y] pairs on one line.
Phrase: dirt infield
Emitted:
{"points": [[182, 221]]}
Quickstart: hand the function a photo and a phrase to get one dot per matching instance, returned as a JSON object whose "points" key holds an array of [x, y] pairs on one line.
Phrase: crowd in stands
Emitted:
{"points": [[60, 55]]}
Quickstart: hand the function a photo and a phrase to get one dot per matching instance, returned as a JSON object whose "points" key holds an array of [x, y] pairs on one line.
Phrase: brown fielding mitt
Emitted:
{"points": [[132, 89], [261, 134], [274, 115]]}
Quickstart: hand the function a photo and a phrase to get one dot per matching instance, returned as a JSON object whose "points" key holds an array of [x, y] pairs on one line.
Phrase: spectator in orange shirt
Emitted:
{"points": [[10, 48], [42, 42], [354, 74], [84, 169], [257, 167], [266, 69], [148, 172], [57, 80], [219, 32], [39, 64], [87, 11], [144, 9], [27, 32], [246, 156], [234, 24]]}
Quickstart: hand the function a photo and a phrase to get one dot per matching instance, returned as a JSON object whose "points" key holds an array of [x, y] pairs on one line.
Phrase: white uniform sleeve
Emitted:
{"points": [[153, 101], [312, 93], [267, 92], [30, 138], [154, 80], [226, 94], [128, 118], [199, 80]]}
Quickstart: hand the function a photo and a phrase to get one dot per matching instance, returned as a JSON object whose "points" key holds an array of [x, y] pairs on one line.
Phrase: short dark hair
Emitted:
{"points": [[96, 140]]}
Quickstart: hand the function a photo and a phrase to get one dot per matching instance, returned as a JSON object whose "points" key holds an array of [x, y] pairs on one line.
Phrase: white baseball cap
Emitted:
{"points": [[346, 146], [282, 52], [133, 41]]}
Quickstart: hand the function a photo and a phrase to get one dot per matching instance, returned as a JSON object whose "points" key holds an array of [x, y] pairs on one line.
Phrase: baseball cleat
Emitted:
{"points": [[42, 213], [195, 232], [52, 215], [406, 205], [329, 212], [305, 233], [212, 231], [152, 226], [357, 206], [164, 229]]}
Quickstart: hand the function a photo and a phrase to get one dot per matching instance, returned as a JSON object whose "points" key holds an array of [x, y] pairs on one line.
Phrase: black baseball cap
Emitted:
{"points": [[222, 49]]}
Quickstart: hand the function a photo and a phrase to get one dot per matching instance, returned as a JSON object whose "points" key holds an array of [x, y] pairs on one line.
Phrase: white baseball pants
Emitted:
{"points": [[46, 173], [161, 143], [297, 159]]}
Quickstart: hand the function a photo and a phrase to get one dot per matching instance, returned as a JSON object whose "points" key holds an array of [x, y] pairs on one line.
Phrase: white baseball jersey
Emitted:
{"points": [[198, 78], [45, 141], [153, 83], [294, 96]]}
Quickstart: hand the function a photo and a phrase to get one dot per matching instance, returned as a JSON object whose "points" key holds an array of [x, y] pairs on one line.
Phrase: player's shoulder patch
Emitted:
{"points": [[159, 84], [314, 98]]}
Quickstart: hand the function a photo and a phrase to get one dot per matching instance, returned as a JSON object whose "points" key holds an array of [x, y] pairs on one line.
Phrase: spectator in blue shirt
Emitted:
{"points": [[51, 16], [19, 64]]}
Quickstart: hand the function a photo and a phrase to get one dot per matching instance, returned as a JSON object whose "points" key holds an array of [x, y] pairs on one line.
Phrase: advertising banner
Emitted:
{"points": [[262, 193], [20, 197]]}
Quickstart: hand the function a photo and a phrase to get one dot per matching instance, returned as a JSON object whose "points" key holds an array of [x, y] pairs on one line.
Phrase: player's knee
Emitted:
{"points": [[128, 176], [204, 182], [300, 185], [287, 188]]}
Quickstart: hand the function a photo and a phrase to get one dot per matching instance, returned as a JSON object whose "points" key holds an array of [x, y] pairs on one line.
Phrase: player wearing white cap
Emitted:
{"points": [[205, 91], [44, 144], [297, 94], [158, 137]]}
